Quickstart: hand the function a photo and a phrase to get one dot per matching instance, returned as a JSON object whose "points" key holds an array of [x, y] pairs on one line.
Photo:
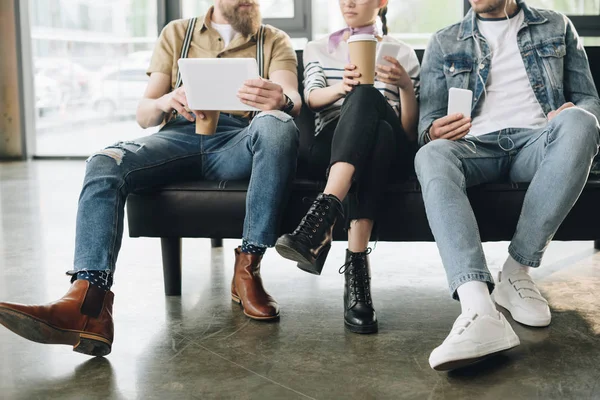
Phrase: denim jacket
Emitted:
{"points": [[554, 57]]}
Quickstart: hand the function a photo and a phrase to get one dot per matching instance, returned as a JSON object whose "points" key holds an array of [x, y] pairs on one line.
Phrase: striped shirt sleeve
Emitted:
{"points": [[413, 69], [314, 75]]}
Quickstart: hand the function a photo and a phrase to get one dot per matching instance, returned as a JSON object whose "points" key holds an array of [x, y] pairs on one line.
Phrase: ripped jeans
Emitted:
{"points": [[264, 151]]}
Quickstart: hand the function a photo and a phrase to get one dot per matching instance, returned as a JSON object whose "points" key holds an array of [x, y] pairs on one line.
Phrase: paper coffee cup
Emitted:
{"points": [[208, 124], [362, 49]]}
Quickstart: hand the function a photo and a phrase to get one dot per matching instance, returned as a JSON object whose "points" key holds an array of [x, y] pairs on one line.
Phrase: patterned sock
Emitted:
{"points": [[252, 248], [101, 279]]}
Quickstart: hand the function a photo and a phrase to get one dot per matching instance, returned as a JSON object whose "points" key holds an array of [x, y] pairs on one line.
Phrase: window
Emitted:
{"points": [[412, 21], [269, 8], [569, 7], [591, 41], [89, 61], [292, 16], [585, 15]]}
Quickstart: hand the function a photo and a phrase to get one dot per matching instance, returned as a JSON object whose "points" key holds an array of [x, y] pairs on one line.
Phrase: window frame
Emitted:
{"points": [[299, 26]]}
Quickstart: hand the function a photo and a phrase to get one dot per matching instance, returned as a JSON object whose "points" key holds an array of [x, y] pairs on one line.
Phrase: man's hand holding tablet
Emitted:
{"points": [[262, 94]]}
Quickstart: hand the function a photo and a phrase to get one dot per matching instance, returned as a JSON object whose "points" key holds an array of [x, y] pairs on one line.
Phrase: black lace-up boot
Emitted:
{"points": [[359, 314], [309, 244]]}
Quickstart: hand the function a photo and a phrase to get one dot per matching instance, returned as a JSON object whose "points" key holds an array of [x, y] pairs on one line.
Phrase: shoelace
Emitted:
{"points": [[313, 218], [360, 280], [526, 288]]}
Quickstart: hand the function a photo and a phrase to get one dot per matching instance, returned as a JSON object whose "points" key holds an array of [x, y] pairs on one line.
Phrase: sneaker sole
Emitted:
{"points": [[457, 363], [38, 331], [523, 320], [237, 300]]}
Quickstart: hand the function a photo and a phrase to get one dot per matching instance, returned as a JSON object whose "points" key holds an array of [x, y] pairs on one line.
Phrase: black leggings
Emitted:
{"points": [[369, 136]]}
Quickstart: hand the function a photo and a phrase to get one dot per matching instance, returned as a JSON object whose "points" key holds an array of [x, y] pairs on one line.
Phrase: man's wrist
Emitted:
{"points": [[288, 104], [428, 135]]}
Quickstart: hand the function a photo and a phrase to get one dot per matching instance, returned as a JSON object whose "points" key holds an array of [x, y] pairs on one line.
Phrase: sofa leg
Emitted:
{"points": [[215, 242], [171, 256], [597, 244]]}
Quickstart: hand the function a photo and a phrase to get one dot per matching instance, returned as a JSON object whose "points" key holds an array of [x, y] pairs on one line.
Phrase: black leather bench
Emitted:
{"points": [[216, 209]]}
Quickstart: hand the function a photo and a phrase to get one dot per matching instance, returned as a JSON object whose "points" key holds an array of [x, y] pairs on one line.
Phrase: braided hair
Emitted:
{"points": [[382, 14]]}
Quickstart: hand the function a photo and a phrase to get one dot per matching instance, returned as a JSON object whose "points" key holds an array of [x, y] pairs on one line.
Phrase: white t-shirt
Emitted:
{"points": [[226, 31], [510, 101], [323, 69]]}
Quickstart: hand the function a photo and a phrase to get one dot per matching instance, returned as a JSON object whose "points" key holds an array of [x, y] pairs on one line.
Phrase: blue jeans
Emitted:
{"points": [[264, 151], [555, 159]]}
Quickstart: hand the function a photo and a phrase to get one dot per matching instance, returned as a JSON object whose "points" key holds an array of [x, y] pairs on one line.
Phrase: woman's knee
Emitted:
{"points": [[363, 94]]}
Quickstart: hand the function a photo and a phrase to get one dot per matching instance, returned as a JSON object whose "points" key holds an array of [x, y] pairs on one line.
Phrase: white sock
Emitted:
{"points": [[475, 296], [511, 266]]}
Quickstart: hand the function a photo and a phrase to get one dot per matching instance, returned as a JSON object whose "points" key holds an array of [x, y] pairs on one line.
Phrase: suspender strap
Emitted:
{"points": [[260, 50], [186, 46], [260, 56]]}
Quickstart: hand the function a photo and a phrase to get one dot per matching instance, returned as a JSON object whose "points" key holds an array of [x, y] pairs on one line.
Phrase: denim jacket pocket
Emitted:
{"points": [[552, 53], [457, 71]]}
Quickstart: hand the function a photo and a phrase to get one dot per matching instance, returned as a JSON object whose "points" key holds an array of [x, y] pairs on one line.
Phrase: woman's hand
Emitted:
{"points": [[349, 80], [394, 75]]}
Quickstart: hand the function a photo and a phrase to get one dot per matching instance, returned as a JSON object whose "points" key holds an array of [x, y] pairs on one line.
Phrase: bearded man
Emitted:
{"points": [[262, 148]]}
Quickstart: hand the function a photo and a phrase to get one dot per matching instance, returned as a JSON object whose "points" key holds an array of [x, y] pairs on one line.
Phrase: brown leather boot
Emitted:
{"points": [[82, 319], [247, 288]]}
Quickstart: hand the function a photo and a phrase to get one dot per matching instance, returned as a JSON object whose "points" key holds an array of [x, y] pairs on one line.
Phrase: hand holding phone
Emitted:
{"points": [[457, 123], [386, 49], [388, 68], [460, 101]]}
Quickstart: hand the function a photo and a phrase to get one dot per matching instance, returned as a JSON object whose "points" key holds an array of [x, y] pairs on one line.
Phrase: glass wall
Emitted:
{"points": [[89, 62], [569, 7], [269, 8], [412, 21], [90, 56]]}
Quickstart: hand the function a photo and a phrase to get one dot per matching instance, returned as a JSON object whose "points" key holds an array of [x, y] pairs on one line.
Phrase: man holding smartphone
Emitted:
{"points": [[535, 119]]}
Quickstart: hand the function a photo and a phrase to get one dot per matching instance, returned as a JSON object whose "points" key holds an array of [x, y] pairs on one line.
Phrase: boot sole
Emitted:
{"points": [[286, 251], [361, 328], [237, 300], [307, 264], [39, 331]]}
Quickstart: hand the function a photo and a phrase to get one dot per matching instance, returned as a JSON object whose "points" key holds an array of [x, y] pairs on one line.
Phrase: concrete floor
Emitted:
{"points": [[200, 346]]}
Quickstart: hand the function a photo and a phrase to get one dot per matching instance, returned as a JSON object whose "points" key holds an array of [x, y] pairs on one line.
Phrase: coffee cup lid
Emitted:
{"points": [[362, 38]]}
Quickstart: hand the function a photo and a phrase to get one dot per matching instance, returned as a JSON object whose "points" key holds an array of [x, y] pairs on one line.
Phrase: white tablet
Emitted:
{"points": [[213, 83]]}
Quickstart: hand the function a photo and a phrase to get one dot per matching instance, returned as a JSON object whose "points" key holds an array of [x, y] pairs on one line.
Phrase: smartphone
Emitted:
{"points": [[460, 101], [386, 49]]}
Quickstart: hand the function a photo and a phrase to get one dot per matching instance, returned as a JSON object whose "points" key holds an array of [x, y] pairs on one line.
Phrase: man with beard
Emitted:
{"points": [[263, 148], [535, 119]]}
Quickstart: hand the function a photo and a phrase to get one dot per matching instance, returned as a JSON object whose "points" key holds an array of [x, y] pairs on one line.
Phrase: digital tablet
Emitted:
{"points": [[213, 83]]}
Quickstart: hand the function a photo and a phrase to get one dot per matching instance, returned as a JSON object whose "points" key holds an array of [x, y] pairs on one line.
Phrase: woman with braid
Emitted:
{"points": [[365, 136]]}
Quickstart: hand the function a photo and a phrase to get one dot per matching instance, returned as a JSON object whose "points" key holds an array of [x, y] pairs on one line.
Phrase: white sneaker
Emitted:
{"points": [[518, 294], [473, 337]]}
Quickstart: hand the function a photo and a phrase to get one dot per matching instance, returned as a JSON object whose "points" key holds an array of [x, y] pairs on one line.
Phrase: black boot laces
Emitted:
{"points": [[314, 218], [359, 283]]}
